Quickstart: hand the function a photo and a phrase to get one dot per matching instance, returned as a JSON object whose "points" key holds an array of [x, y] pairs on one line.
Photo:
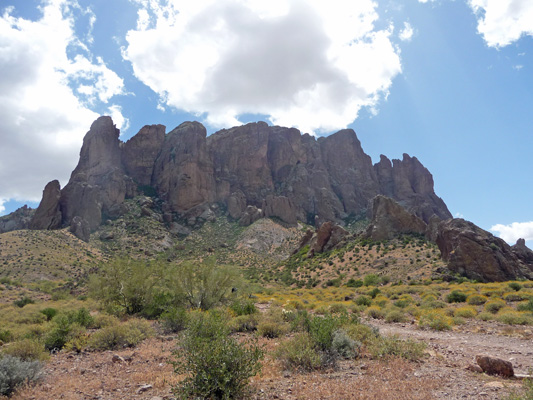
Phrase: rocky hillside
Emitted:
{"points": [[252, 171]]}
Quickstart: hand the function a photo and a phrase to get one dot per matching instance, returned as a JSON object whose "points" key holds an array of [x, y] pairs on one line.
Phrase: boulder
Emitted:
{"points": [[495, 366], [250, 215], [79, 227], [280, 207], [327, 237]]}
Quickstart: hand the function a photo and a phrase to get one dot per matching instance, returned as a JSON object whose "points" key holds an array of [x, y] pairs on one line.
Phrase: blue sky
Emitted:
{"points": [[449, 82]]}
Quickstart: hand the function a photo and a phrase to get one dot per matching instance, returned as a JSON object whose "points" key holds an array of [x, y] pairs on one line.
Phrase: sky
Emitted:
{"points": [[447, 81]]}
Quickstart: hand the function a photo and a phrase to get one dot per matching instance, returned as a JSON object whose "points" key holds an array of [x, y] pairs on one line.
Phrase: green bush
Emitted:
{"points": [[15, 372], [435, 320], [515, 286], [321, 330], [515, 318], [456, 296], [243, 307], [270, 328], [299, 353], [353, 283], [127, 334], [465, 312], [58, 335], [49, 313], [375, 312], [5, 336], [371, 280], [494, 306], [174, 320], [244, 323], [23, 301], [363, 301], [476, 299], [395, 315], [382, 346], [216, 365], [525, 306], [27, 350]]}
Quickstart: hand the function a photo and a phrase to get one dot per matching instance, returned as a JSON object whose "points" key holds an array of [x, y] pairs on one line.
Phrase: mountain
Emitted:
{"points": [[252, 171]]}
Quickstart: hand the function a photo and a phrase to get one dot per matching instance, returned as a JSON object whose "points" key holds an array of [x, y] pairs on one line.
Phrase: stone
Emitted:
{"points": [[281, 207], [474, 368], [495, 366], [79, 227], [48, 214], [250, 215], [144, 388], [327, 237], [389, 220], [117, 359]]}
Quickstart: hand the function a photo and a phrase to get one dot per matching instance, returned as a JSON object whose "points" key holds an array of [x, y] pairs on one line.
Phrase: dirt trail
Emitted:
{"points": [[459, 348]]}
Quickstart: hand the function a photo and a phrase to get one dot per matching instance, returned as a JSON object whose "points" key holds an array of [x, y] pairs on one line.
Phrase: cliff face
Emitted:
{"points": [[270, 170]]}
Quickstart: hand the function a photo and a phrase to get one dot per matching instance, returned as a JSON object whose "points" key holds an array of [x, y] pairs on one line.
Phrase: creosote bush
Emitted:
{"points": [[216, 365], [436, 320], [456, 297], [127, 334]]}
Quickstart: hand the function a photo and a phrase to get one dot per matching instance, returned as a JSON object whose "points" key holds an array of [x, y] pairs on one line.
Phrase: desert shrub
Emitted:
{"points": [[525, 306], [494, 306], [404, 301], [515, 286], [127, 334], [456, 296], [343, 345], [23, 301], [354, 283], [435, 320], [299, 353], [395, 315], [103, 320], [81, 317], [527, 392], [243, 307], [476, 299], [49, 313], [27, 350], [173, 320], [485, 316], [59, 332], [6, 336], [363, 300], [371, 280], [515, 296], [383, 346], [244, 323], [465, 312], [271, 329], [380, 301], [361, 333], [15, 372], [375, 312], [337, 308], [515, 318], [216, 365], [374, 292], [321, 330]]}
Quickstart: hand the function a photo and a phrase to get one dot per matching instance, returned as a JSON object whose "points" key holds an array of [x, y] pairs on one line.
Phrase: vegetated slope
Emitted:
{"points": [[32, 256], [409, 257]]}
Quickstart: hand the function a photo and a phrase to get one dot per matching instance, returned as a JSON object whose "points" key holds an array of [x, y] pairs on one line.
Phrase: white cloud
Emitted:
{"points": [[502, 22], [406, 34], [511, 233], [46, 97], [122, 123], [2, 207], [309, 64]]}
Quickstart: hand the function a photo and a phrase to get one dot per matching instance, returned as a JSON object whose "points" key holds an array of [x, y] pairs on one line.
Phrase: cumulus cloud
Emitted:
{"points": [[2, 208], [48, 84], [406, 34], [511, 233], [502, 22], [310, 64]]}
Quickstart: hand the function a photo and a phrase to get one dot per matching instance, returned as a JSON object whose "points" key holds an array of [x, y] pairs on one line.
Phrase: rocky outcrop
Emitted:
{"points": [[389, 220], [183, 172], [18, 219], [329, 236], [253, 171], [141, 151], [48, 214], [477, 254], [523, 252]]}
